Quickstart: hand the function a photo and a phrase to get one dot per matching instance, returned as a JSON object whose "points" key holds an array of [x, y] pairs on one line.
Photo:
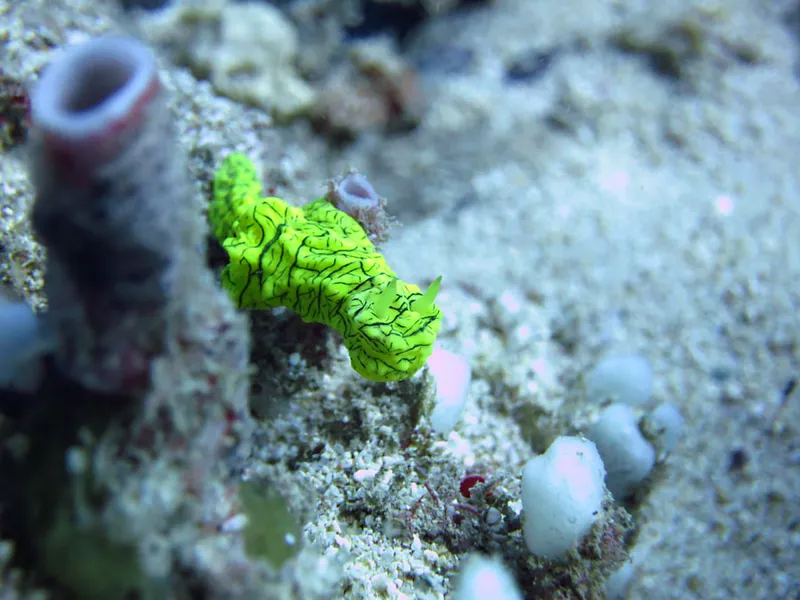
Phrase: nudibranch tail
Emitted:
{"points": [[236, 187]]}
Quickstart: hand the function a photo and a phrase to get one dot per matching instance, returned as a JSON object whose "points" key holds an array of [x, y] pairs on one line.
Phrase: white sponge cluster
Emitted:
{"points": [[562, 494], [630, 449]]}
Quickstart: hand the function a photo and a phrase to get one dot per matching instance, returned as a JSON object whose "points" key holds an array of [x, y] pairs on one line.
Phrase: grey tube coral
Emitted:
{"points": [[110, 193]]}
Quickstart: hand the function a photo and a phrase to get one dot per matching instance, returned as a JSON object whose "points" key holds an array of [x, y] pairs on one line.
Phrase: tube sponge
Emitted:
{"points": [[91, 98], [103, 170], [562, 494], [111, 194]]}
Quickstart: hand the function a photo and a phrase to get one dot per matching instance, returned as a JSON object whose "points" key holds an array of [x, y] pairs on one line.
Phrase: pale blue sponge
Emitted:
{"points": [[22, 342]]}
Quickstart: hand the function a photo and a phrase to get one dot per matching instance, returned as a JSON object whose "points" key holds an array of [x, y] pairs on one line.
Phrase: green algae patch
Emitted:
{"points": [[272, 532]]}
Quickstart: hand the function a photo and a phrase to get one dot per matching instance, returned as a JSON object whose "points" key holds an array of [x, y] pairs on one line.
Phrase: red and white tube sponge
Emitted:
{"points": [[91, 100], [111, 198]]}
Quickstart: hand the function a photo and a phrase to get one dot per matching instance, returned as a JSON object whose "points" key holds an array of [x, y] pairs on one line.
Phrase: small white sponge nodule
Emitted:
{"points": [[23, 340], [627, 379], [484, 578], [562, 494], [627, 455], [666, 425], [453, 375]]}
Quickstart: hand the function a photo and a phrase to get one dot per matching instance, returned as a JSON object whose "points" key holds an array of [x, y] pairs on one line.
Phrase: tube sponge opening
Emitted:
{"points": [[355, 195], [356, 192], [94, 89]]}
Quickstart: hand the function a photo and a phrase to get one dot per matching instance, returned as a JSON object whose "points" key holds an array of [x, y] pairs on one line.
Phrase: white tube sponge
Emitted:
{"points": [[562, 494]]}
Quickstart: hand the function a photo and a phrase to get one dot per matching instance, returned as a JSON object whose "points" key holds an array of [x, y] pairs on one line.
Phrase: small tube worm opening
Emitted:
{"points": [[93, 87], [353, 194], [356, 191]]}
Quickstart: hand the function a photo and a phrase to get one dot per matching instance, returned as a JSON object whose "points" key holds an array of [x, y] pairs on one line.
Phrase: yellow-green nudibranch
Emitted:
{"points": [[319, 262]]}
